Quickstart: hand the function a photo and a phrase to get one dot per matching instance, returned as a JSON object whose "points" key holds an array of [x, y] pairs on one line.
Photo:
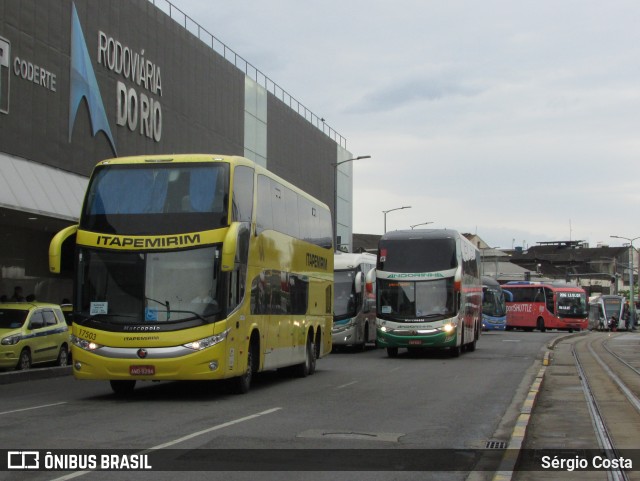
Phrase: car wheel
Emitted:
{"points": [[63, 356], [24, 362]]}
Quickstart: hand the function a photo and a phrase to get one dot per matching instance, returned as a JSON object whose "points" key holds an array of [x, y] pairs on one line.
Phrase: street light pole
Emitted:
{"points": [[335, 195], [416, 225], [385, 212], [632, 304]]}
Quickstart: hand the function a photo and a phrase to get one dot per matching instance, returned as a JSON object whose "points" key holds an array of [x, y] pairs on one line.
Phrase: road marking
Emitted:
{"points": [[511, 340], [182, 439], [348, 384], [215, 428], [34, 407], [395, 369]]}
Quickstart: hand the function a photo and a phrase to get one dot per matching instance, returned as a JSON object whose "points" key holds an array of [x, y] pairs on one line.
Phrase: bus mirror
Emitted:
{"points": [[371, 279], [457, 280], [358, 283], [55, 248], [236, 246]]}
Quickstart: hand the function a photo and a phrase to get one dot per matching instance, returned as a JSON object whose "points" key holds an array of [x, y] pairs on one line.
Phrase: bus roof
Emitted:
{"points": [[490, 281], [346, 260], [555, 287], [421, 234], [160, 159], [187, 158]]}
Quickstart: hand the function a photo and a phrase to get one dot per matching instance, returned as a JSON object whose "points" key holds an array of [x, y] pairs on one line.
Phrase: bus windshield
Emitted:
{"points": [[157, 287], [140, 199], [612, 307], [432, 300], [572, 304], [417, 255], [345, 304], [493, 303]]}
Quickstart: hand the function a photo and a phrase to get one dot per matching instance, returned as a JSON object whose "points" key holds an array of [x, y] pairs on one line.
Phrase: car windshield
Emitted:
{"points": [[12, 318]]}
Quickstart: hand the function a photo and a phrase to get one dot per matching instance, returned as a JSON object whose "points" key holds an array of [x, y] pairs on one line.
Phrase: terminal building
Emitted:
{"points": [[86, 80]]}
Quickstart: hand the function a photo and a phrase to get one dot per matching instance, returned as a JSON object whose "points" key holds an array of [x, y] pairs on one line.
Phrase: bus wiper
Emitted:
{"points": [[195, 314], [164, 304]]}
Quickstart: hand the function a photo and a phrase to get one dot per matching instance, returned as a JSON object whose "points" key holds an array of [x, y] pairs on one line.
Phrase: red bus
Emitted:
{"points": [[539, 306]]}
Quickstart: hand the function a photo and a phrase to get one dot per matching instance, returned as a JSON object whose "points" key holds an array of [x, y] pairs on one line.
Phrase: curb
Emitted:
{"points": [[35, 373], [512, 452]]}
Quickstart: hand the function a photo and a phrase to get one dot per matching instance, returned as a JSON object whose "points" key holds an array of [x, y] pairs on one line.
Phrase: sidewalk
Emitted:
{"points": [[560, 419]]}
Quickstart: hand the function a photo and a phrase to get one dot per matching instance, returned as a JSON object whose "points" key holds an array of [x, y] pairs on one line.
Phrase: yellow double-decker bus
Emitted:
{"points": [[196, 267]]}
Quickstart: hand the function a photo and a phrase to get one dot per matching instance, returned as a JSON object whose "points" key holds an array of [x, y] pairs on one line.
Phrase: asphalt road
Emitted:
{"points": [[354, 402]]}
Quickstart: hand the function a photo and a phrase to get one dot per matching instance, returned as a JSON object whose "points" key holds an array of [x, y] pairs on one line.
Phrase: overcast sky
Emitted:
{"points": [[515, 120]]}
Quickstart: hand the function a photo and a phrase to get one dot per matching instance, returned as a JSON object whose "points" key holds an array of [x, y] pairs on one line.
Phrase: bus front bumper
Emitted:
{"points": [[494, 326], [344, 334], [208, 364], [408, 340]]}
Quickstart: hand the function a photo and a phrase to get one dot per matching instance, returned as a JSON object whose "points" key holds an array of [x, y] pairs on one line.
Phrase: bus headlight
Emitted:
{"points": [[201, 344], [84, 344], [449, 327]]}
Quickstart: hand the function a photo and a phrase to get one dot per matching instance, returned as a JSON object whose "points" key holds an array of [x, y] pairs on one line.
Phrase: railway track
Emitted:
{"points": [[609, 368]]}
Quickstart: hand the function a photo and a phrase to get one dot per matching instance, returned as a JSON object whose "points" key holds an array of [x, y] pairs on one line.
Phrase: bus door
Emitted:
{"points": [[550, 301]]}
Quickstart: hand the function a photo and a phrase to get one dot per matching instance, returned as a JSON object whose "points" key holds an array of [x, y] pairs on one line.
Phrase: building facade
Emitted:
{"points": [[86, 80]]}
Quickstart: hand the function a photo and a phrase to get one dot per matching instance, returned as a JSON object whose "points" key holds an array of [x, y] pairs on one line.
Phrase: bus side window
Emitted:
{"points": [[242, 194], [549, 298]]}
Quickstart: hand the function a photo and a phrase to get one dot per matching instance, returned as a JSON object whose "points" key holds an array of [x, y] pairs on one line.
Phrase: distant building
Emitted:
{"points": [[598, 270], [601, 269]]}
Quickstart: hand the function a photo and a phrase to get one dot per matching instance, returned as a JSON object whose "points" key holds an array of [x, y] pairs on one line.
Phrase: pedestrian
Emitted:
{"points": [[17, 295], [626, 316]]}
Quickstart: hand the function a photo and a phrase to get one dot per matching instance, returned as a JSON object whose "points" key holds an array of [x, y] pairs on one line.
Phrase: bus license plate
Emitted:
{"points": [[415, 342], [142, 370]]}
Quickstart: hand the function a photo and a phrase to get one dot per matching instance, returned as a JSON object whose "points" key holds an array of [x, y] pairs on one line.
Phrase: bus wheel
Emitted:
{"points": [[455, 351], [392, 351], [309, 365], [242, 384], [472, 345], [540, 325], [122, 388]]}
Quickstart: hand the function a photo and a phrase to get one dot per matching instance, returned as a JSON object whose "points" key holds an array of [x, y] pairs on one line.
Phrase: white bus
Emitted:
{"points": [[429, 293], [354, 316]]}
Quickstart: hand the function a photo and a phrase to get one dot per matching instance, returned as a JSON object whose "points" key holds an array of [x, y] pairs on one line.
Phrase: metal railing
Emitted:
{"points": [[249, 70]]}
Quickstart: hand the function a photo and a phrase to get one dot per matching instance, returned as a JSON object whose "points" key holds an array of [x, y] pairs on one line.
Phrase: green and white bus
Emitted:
{"points": [[429, 292]]}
